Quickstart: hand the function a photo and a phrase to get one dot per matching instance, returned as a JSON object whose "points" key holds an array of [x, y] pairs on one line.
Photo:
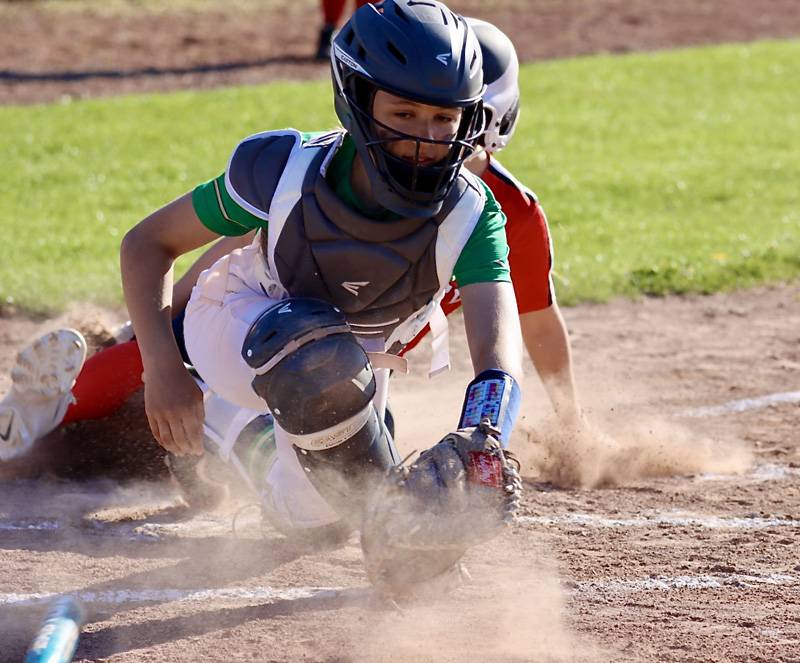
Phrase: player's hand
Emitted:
{"points": [[174, 405]]}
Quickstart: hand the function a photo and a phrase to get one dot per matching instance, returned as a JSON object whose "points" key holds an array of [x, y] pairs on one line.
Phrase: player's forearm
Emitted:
{"points": [[493, 332], [146, 257], [147, 284], [546, 339]]}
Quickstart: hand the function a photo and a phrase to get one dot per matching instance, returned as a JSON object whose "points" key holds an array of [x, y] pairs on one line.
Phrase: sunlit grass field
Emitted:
{"points": [[666, 172]]}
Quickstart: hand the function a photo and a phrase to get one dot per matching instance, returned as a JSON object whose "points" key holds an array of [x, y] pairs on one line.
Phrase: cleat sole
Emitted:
{"points": [[49, 366], [41, 383]]}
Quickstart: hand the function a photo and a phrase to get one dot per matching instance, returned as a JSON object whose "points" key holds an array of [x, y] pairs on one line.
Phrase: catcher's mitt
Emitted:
{"points": [[422, 518]]}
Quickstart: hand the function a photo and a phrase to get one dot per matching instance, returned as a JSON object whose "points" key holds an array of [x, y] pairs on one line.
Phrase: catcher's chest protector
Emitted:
{"points": [[379, 273]]}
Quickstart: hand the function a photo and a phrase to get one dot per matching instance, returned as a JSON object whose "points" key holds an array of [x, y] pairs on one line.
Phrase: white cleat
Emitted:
{"points": [[41, 383]]}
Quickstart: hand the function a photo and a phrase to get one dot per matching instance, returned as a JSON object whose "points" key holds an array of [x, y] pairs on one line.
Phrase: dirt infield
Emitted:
{"points": [[687, 551], [676, 539]]}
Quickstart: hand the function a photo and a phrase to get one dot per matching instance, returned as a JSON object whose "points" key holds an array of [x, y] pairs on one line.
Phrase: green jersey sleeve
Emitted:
{"points": [[485, 255], [219, 212]]}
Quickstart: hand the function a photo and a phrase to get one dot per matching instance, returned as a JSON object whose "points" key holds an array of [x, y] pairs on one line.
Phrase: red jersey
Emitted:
{"points": [[530, 248]]}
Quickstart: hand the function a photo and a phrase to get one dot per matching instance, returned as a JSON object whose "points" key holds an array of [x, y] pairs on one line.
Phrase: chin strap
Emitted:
{"points": [[493, 395]]}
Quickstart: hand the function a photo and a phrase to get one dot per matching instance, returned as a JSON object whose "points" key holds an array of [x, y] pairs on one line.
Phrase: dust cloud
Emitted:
{"points": [[511, 610], [625, 451]]}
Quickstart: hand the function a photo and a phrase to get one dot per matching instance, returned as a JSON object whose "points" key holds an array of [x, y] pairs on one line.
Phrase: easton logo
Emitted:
{"points": [[286, 308], [353, 286], [350, 62], [444, 58]]}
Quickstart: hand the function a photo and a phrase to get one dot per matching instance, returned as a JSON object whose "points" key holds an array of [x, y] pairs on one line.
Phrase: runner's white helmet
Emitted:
{"points": [[501, 77]]}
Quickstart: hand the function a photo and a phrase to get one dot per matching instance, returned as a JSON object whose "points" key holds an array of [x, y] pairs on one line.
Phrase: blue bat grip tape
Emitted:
{"points": [[57, 638]]}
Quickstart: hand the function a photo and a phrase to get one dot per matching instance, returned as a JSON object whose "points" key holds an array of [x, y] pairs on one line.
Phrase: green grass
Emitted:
{"points": [[77, 176], [668, 172]]}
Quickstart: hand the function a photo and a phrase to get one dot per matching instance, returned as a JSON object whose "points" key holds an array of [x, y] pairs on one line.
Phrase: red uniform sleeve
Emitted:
{"points": [[530, 250], [531, 253]]}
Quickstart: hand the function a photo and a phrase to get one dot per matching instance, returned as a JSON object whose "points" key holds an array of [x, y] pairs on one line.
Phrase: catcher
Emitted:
{"points": [[359, 234]]}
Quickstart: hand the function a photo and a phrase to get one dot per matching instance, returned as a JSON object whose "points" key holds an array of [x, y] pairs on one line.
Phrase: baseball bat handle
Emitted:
{"points": [[57, 637]]}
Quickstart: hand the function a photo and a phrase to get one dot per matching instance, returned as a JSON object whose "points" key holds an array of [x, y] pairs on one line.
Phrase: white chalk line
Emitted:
{"points": [[208, 526], [224, 594], [201, 526], [743, 405], [676, 520], [739, 581], [763, 472], [29, 524], [667, 583]]}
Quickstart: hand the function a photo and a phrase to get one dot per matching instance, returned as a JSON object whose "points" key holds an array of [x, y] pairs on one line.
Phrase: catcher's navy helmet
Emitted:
{"points": [[501, 76], [421, 51]]}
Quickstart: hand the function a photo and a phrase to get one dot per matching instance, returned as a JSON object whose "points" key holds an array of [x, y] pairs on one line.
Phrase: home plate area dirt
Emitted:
{"points": [[669, 535]]}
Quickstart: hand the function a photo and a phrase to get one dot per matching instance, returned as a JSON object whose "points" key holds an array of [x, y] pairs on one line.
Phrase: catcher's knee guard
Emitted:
{"points": [[319, 385]]}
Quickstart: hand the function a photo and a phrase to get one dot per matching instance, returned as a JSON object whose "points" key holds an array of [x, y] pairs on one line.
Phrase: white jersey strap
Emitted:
{"points": [[289, 190], [381, 392], [456, 229], [440, 342], [386, 360]]}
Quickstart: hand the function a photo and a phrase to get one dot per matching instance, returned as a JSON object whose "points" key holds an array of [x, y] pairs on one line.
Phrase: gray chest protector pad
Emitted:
{"points": [[378, 272]]}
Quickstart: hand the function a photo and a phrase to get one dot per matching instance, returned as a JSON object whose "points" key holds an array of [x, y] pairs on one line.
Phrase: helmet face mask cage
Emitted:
{"points": [[422, 52], [423, 184]]}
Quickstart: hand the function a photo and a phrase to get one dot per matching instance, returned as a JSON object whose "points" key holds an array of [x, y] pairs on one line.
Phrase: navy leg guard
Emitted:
{"points": [[319, 385]]}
